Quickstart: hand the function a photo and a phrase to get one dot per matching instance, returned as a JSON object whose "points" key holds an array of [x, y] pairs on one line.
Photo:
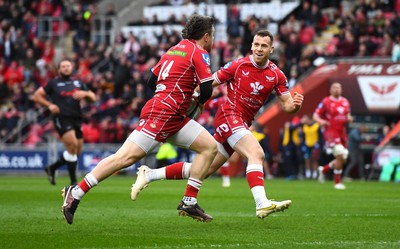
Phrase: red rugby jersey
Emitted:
{"points": [[248, 86]]}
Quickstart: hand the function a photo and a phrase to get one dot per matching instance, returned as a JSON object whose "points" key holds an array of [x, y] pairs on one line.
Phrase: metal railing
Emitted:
{"points": [[103, 29], [51, 27], [17, 133]]}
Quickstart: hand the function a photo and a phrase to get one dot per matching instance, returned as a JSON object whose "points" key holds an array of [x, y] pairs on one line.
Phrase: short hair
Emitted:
{"points": [[264, 33], [62, 60], [197, 26]]}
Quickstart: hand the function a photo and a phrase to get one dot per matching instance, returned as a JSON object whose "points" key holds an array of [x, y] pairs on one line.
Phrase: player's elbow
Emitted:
{"points": [[35, 97], [92, 97]]}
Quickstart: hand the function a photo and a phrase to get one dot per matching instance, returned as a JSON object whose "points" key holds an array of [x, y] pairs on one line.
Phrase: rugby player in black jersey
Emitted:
{"points": [[62, 96]]}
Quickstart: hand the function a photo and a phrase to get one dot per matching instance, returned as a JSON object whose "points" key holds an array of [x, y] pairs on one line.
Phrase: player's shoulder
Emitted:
{"points": [[53, 81], [326, 100], [273, 67], [239, 62], [345, 100], [190, 45]]}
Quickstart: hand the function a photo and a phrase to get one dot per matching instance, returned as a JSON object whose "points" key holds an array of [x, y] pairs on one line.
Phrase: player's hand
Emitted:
{"points": [[298, 99], [350, 119], [196, 93], [54, 109], [78, 95]]}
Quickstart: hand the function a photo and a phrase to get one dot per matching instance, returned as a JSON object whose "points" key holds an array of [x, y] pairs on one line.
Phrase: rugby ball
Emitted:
{"points": [[194, 109]]}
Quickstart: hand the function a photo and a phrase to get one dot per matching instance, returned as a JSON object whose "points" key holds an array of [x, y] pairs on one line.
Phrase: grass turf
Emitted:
{"points": [[365, 215]]}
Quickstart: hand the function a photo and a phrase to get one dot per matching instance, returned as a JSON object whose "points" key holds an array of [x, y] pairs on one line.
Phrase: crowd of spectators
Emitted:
{"points": [[117, 71]]}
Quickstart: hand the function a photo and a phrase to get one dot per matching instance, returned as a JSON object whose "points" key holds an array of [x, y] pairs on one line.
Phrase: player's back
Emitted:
{"points": [[177, 73]]}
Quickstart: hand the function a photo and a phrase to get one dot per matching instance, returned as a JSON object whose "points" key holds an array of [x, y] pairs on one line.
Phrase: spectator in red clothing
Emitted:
{"points": [[14, 75], [34, 136], [48, 52], [91, 132]]}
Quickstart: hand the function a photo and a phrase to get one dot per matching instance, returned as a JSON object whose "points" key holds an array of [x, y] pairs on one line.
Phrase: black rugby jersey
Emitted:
{"points": [[60, 91]]}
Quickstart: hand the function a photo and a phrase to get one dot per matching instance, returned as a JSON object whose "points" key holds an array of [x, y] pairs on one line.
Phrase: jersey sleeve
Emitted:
{"points": [[201, 61], [281, 87], [48, 88], [226, 73], [321, 109], [156, 69]]}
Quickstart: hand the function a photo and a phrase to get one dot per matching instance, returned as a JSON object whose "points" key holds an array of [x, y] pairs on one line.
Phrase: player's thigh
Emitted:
{"points": [[248, 147], [70, 141], [144, 142], [193, 136], [132, 151]]}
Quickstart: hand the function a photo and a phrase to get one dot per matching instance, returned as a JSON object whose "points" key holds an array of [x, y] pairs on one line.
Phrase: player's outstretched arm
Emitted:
{"points": [[88, 95], [291, 104]]}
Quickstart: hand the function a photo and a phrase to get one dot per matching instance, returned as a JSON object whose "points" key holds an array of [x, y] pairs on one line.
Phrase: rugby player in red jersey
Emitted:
{"points": [[333, 113], [180, 70], [249, 81]]}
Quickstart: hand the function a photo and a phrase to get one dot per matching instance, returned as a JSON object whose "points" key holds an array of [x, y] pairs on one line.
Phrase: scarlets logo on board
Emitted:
{"points": [[383, 89], [380, 92]]}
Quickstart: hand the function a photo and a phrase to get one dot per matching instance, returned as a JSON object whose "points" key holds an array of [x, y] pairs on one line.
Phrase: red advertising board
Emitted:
{"points": [[372, 88]]}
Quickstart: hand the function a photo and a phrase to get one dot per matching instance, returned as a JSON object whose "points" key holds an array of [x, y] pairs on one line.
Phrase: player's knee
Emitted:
{"points": [[212, 149], [71, 146], [258, 155]]}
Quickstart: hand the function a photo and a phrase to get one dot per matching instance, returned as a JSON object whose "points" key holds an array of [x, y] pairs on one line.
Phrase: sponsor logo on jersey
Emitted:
{"points": [[253, 102], [257, 87], [340, 109], [270, 78], [68, 93], [160, 87], [177, 53], [206, 59], [227, 65]]}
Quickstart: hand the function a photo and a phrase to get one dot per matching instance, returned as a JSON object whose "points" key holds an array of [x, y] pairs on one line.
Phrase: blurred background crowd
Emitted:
{"points": [[117, 70]]}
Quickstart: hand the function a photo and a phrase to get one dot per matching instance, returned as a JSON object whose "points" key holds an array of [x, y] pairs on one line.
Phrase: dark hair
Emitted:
{"points": [[59, 63], [264, 33], [197, 26]]}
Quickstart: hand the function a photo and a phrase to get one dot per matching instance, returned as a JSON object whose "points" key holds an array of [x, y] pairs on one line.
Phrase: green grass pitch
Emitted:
{"points": [[365, 215]]}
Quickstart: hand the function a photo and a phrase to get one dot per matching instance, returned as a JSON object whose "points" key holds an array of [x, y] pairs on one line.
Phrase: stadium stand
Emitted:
{"points": [[113, 59]]}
